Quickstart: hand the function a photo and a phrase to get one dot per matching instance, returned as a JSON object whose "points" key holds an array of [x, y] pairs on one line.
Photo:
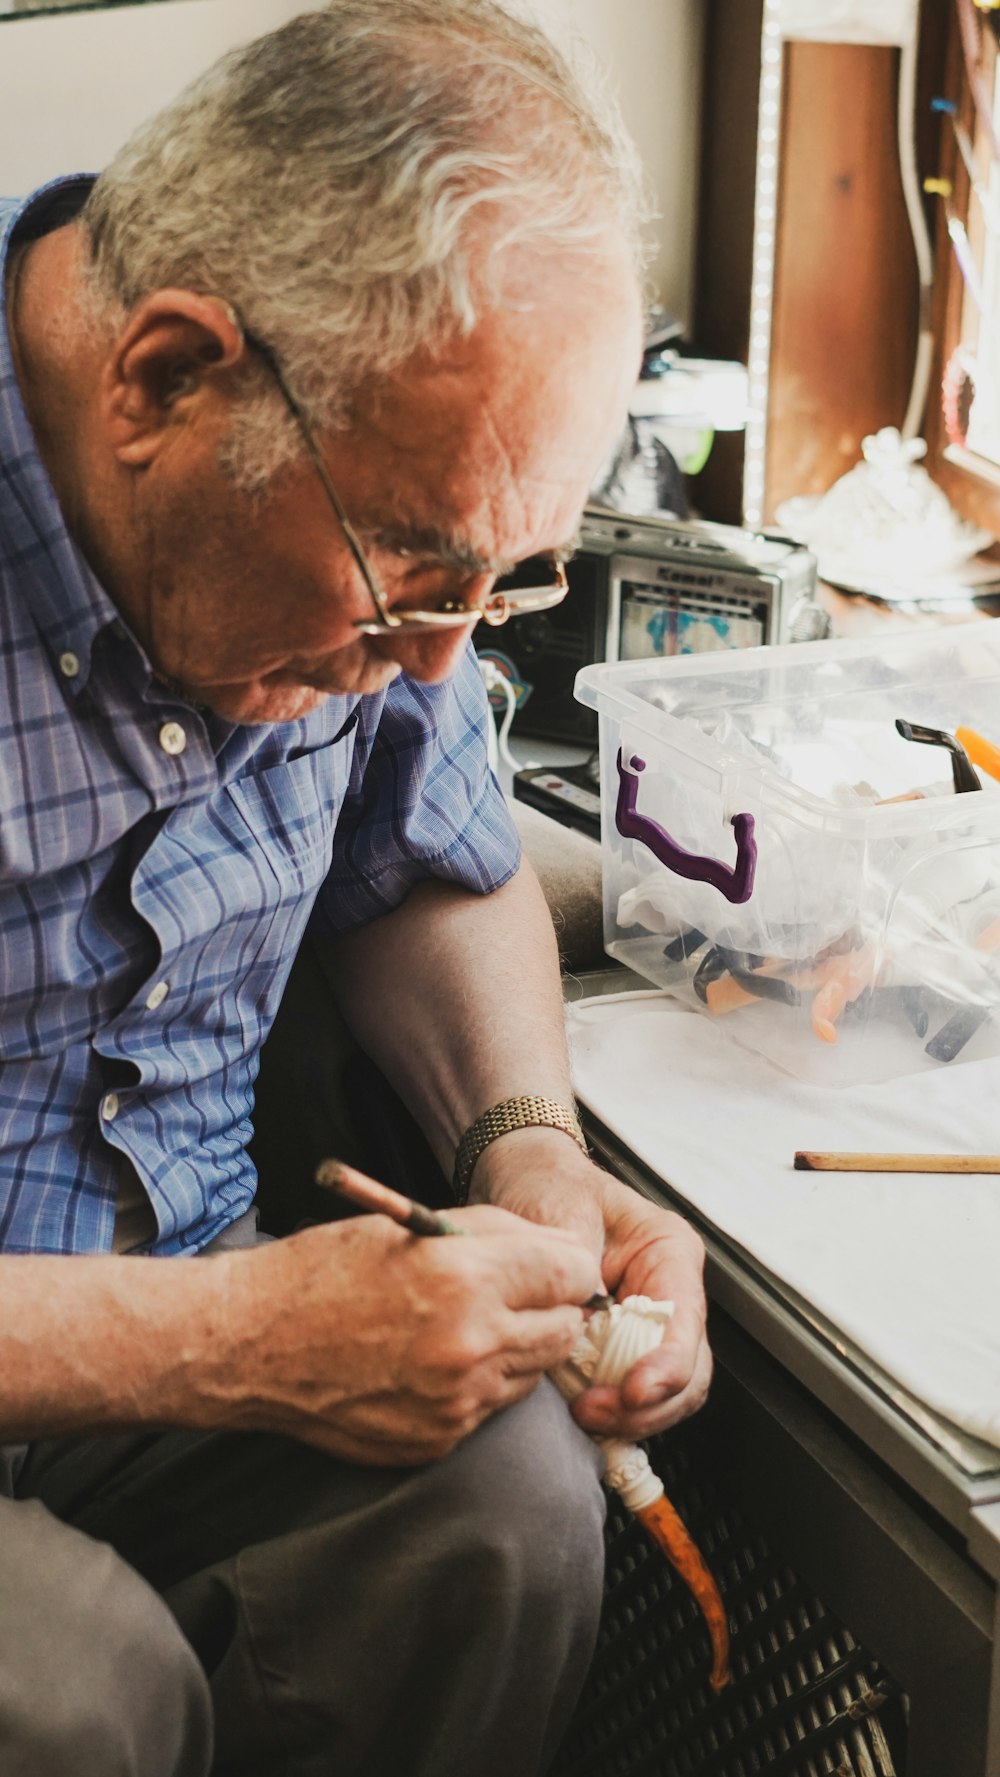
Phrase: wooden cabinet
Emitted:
{"points": [[844, 287]]}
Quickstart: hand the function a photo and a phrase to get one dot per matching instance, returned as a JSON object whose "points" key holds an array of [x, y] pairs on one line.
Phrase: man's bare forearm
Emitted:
{"points": [[457, 997], [352, 1336], [95, 1343]]}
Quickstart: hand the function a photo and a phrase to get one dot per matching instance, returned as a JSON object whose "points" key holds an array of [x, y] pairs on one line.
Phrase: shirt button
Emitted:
{"points": [[156, 995], [109, 1106], [69, 665], [173, 738]]}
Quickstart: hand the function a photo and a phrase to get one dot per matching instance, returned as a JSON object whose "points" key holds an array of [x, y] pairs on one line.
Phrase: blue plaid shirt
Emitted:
{"points": [[157, 870]]}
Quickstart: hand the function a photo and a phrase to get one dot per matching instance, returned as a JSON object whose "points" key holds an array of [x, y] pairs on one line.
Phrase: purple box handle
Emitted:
{"points": [[733, 881]]}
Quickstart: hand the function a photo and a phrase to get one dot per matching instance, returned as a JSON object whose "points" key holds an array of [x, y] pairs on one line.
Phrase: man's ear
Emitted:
{"points": [[172, 348]]}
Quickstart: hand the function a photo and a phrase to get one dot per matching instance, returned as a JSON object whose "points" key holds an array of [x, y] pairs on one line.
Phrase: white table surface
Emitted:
{"points": [[907, 1265]]}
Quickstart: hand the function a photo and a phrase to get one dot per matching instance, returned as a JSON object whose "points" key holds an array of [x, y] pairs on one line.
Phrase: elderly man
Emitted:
{"points": [[316, 374]]}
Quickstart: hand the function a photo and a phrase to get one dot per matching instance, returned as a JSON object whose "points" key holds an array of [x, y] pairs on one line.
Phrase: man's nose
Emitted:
{"points": [[434, 655]]}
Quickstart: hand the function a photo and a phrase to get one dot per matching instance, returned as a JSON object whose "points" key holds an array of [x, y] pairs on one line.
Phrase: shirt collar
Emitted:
{"points": [[68, 603]]}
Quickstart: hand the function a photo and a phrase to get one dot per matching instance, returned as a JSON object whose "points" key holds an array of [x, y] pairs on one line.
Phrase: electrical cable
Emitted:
{"points": [[486, 670], [498, 740], [503, 748]]}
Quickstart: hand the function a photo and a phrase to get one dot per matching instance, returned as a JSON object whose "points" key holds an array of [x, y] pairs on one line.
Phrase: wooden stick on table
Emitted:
{"points": [[831, 1162]]}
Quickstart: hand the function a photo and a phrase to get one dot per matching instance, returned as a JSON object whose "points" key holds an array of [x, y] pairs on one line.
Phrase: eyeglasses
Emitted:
{"points": [[537, 584]]}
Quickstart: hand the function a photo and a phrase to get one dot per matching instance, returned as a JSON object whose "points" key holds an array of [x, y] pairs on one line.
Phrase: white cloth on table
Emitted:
{"points": [[905, 1264]]}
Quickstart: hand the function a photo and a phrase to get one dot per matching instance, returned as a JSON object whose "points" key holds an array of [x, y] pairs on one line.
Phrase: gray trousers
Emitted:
{"points": [[181, 1603]]}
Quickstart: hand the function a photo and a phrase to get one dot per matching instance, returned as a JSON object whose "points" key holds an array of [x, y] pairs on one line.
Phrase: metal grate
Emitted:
{"points": [[805, 1700]]}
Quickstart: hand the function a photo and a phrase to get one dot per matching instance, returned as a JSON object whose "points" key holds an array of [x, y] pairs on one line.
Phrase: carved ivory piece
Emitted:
{"points": [[610, 1343]]}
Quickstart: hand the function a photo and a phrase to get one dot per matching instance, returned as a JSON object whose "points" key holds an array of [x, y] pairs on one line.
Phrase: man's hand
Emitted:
{"points": [[384, 1348], [644, 1250], [459, 1040]]}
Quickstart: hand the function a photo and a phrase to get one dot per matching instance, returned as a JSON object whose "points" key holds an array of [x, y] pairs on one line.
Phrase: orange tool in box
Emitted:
{"points": [[982, 752]]}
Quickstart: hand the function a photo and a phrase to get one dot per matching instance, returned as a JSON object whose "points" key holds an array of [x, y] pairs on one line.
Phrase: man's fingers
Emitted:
{"points": [[521, 1264], [667, 1369], [540, 1339], [661, 1398], [655, 1253], [606, 1412], [489, 1218], [669, 1383], [552, 1280]]}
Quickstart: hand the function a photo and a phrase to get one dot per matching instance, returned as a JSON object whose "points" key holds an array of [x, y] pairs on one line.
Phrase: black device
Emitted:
{"points": [[645, 586], [570, 794]]}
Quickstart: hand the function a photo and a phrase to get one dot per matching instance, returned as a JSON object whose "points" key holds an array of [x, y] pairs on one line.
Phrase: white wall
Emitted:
{"points": [[73, 85], [652, 50]]}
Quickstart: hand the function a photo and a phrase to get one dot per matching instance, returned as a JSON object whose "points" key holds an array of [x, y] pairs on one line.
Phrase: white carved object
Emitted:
{"points": [[612, 1340]]}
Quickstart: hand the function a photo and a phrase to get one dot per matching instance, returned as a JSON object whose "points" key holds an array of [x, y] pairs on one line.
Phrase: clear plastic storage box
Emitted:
{"points": [[777, 854]]}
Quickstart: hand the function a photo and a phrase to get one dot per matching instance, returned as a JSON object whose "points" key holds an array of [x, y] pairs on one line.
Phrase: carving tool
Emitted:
{"points": [[369, 1193]]}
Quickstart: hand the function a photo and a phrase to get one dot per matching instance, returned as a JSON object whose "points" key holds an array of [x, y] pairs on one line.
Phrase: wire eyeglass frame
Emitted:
{"points": [[497, 609]]}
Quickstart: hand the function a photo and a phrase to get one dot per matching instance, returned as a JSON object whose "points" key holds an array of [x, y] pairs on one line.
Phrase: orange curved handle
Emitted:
{"points": [[670, 1533]]}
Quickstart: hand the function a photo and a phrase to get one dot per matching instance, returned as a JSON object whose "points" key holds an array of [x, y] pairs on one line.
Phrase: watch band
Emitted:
{"points": [[513, 1113]]}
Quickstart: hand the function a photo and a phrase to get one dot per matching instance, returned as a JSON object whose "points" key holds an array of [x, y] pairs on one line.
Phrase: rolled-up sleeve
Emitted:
{"points": [[422, 802]]}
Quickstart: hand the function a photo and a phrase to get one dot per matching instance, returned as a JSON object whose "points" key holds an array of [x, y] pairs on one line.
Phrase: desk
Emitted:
{"points": [[889, 1513]]}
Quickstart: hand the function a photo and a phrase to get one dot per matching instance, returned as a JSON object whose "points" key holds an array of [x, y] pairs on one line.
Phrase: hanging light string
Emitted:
{"points": [[962, 249], [971, 16], [986, 199], [762, 284]]}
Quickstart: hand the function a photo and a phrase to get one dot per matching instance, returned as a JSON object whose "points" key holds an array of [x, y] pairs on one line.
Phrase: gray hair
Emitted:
{"points": [[353, 183]]}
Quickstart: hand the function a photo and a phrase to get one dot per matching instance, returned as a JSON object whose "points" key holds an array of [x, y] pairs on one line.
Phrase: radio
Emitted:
{"points": [[644, 586]]}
